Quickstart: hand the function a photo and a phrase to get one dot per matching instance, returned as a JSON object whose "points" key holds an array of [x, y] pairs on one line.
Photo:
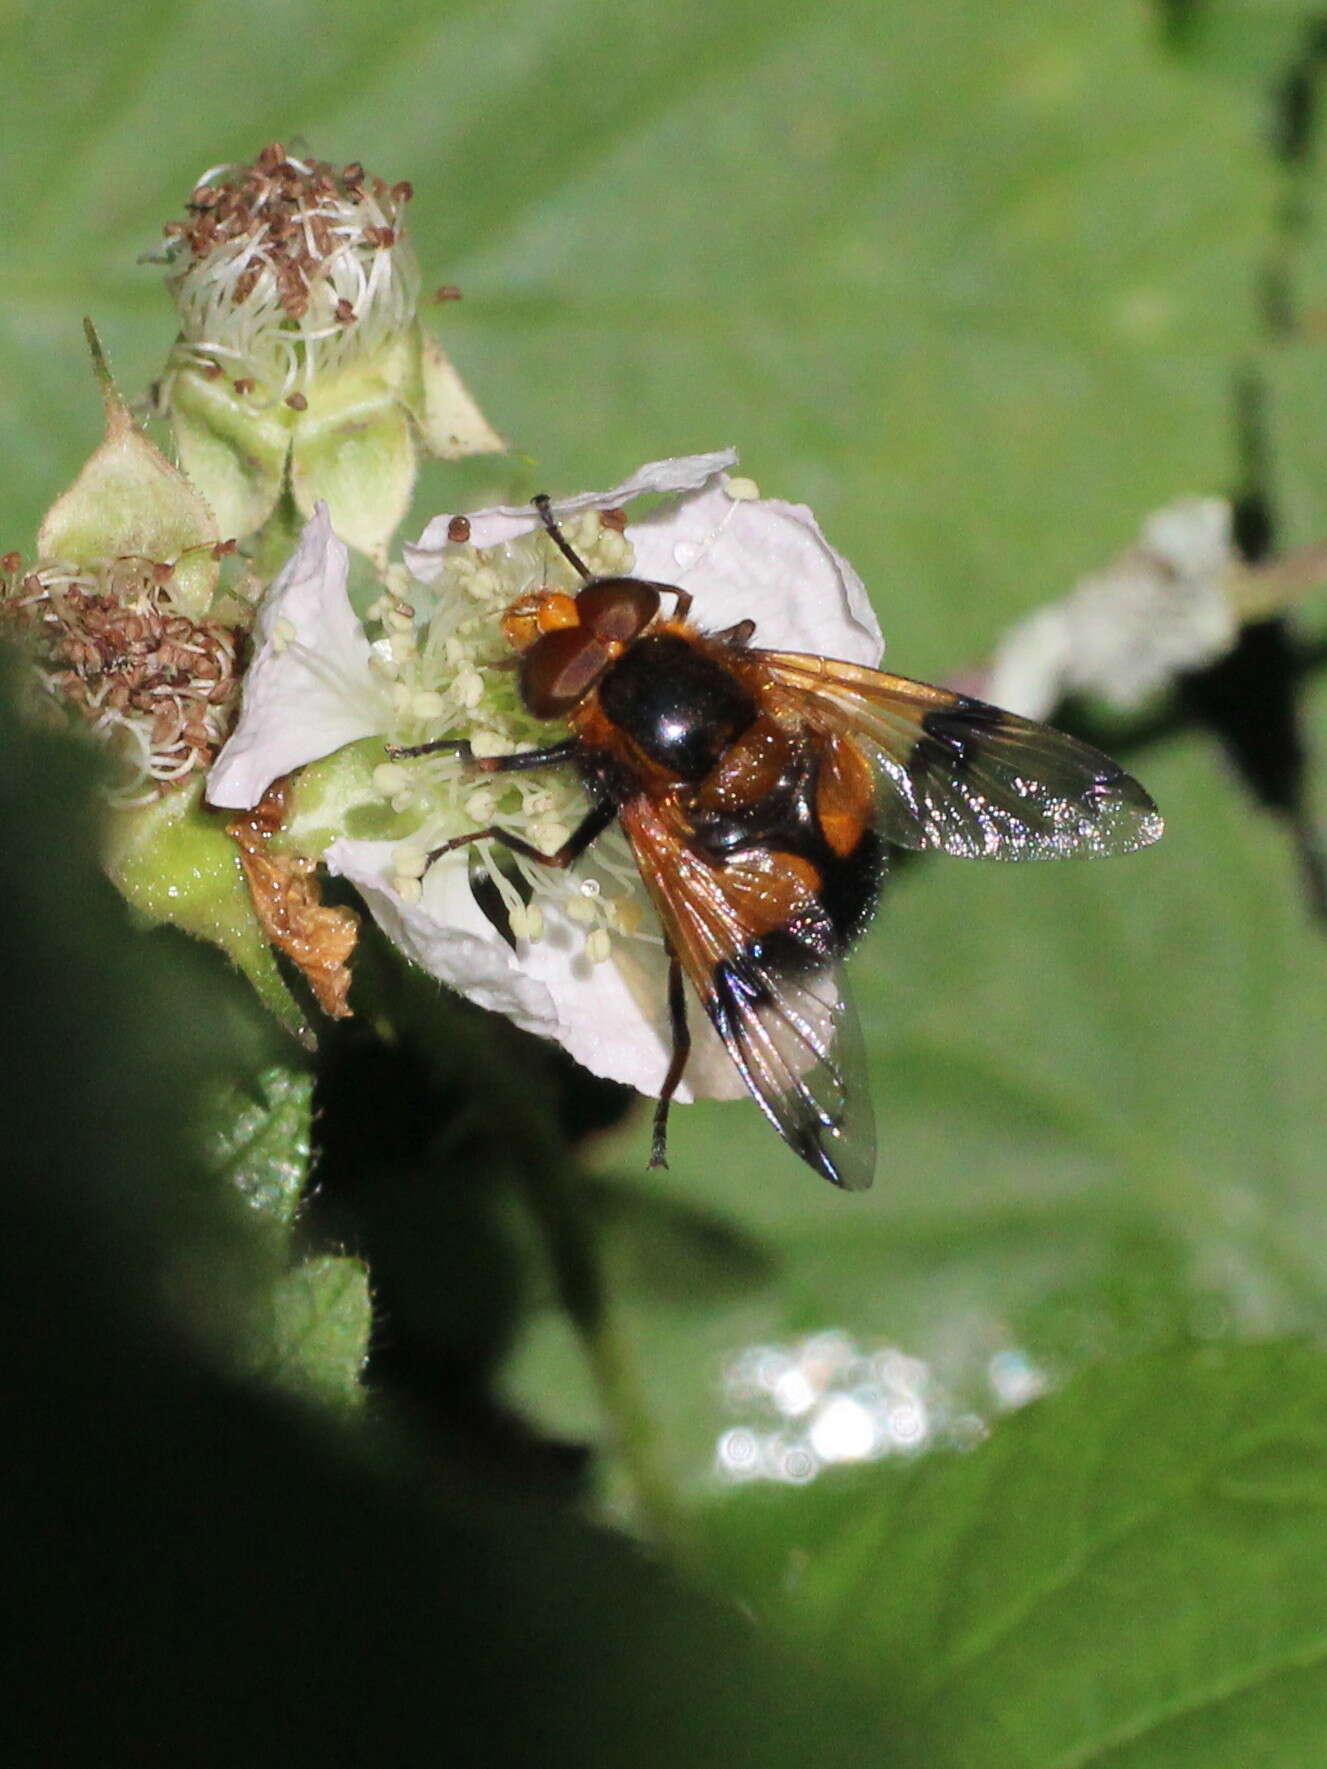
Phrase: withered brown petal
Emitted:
{"points": [[284, 887]]}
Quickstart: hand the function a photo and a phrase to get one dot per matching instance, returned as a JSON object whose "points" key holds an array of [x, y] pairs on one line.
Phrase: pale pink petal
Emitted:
{"points": [[309, 689], [759, 559], [506, 522], [611, 1017]]}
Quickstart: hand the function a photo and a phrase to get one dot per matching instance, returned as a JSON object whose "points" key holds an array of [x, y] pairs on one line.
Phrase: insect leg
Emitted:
{"points": [[741, 633], [684, 600], [541, 503], [556, 755], [594, 823], [677, 1017]]}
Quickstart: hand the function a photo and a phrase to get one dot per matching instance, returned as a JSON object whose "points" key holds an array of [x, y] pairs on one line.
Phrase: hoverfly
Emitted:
{"points": [[759, 792]]}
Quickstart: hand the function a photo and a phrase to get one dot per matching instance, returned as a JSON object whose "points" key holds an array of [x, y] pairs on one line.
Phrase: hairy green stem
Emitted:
{"points": [[557, 1201]]}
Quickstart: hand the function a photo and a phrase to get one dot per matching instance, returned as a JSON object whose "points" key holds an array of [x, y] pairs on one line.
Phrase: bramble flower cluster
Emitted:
{"points": [[303, 387]]}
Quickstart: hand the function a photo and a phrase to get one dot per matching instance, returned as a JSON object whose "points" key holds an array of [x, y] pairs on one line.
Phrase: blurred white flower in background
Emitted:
{"points": [[1163, 606]]}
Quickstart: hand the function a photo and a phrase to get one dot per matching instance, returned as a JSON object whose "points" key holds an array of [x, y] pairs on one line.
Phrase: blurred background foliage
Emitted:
{"points": [[983, 284]]}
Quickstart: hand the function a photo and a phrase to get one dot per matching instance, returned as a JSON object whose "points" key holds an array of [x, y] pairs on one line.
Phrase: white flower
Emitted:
{"points": [[1162, 607], [588, 968]]}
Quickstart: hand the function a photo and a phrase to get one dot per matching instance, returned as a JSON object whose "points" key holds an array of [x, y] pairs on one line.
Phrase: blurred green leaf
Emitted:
{"points": [[672, 1248], [260, 1141], [1133, 1572], [204, 1568], [320, 1328], [1250, 41]]}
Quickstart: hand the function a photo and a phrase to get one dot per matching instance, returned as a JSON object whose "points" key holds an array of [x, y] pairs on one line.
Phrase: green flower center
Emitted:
{"points": [[447, 669]]}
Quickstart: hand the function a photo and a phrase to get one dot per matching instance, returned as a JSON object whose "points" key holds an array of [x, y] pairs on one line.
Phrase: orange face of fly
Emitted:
{"points": [[567, 642]]}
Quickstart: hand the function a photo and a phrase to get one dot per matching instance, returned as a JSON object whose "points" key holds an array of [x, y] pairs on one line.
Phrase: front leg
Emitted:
{"points": [[594, 823], [554, 755]]}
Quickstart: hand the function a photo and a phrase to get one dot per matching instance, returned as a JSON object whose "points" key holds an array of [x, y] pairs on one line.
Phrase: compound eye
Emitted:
{"points": [[560, 669], [616, 609]]}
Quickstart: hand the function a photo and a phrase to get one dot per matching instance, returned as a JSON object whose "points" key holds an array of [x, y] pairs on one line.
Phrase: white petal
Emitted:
{"points": [[612, 1017], [446, 932], [761, 559], [309, 689], [505, 522], [1192, 535]]}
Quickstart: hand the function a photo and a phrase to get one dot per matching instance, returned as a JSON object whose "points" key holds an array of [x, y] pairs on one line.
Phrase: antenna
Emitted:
{"points": [[541, 503]]}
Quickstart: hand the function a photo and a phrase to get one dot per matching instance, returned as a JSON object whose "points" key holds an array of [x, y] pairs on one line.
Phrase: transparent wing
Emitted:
{"points": [[759, 951], [967, 778]]}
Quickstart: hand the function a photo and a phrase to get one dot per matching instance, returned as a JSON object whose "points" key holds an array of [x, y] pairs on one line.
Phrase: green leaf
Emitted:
{"points": [[320, 1328], [261, 1141], [311, 1331], [1133, 1572]]}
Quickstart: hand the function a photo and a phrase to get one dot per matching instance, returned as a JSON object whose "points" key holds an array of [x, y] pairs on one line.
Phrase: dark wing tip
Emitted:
{"points": [[1126, 816], [847, 1162]]}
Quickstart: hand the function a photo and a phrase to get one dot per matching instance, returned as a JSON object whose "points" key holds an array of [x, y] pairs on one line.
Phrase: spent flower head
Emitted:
{"points": [[116, 613], [108, 643], [573, 955], [301, 363], [288, 267]]}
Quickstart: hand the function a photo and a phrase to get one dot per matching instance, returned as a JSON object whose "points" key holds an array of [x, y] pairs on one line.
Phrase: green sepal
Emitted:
{"points": [[337, 797], [354, 450], [129, 500], [232, 446], [449, 422], [175, 863]]}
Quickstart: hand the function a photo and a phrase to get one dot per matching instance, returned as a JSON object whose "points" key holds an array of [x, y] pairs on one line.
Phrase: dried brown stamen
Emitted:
{"points": [[289, 214], [158, 687]]}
